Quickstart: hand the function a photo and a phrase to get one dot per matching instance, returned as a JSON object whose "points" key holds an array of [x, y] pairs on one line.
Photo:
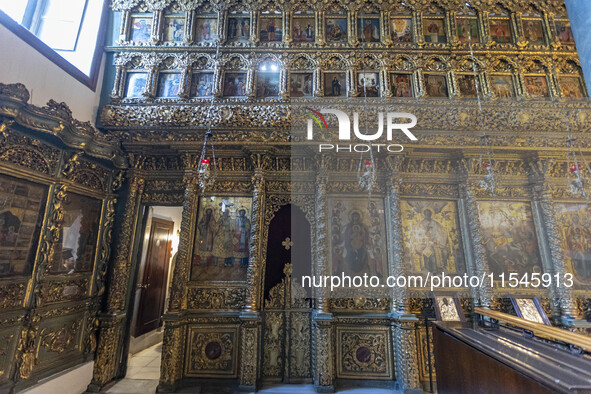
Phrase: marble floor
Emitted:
{"points": [[143, 372]]}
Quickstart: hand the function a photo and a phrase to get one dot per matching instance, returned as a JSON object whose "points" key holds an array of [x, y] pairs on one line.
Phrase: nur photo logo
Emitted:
{"points": [[393, 122]]}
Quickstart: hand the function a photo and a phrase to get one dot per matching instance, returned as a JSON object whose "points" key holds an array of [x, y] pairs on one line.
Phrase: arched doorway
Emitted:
{"points": [[287, 309]]}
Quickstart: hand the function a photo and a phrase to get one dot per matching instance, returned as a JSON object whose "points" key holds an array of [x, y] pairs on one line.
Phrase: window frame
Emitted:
{"points": [[28, 37]]}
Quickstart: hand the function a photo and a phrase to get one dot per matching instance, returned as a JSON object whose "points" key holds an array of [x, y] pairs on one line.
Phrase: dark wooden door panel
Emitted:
{"points": [[151, 305]]}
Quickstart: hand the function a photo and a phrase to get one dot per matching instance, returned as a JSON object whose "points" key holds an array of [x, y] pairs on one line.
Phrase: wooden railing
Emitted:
{"points": [[540, 330]]}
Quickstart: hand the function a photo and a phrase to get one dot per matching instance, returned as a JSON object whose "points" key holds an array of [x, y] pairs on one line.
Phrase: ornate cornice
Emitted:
{"points": [[55, 119]]}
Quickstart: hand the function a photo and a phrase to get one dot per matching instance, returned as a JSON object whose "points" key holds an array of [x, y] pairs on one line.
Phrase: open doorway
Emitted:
{"points": [[156, 257]]}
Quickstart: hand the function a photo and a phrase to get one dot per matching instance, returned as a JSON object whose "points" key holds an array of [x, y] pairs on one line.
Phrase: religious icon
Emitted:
{"points": [[509, 237], [141, 29], [174, 30], [201, 84], [239, 29], [467, 85], [564, 32], [434, 30], [534, 32], [271, 29], [303, 29], [500, 31], [436, 85], [502, 85], [335, 84], [574, 221], [448, 309], [300, 85], [530, 309], [357, 234], [368, 29], [169, 85], [467, 29], [402, 30], [234, 84], [536, 86], [206, 30], [401, 85], [222, 238], [571, 87], [432, 241], [21, 217], [136, 84], [267, 84], [368, 84], [336, 29], [80, 227]]}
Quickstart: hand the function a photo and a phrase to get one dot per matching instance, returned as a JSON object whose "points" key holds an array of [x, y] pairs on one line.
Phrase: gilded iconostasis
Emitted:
{"points": [[199, 107]]}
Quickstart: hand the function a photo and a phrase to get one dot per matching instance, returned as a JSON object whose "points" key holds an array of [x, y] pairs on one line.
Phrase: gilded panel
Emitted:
{"points": [[357, 234], [363, 353], [432, 239], [59, 337], [221, 248], [12, 294], [212, 351], [76, 248], [574, 222], [509, 237], [274, 344], [22, 205], [217, 298], [8, 339]]}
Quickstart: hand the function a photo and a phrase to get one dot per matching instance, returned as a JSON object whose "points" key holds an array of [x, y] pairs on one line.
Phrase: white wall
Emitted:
{"points": [[44, 79]]}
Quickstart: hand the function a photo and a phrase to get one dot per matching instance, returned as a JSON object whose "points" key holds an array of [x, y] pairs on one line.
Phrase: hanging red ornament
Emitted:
{"points": [[487, 165], [368, 163], [205, 161], [573, 168]]}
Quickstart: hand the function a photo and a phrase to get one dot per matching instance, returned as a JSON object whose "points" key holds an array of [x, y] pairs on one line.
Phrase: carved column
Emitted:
{"points": [[322, 331], [111, 322], [188, 35], [318, 84], [549, 239], [319, 18], [156, 27], [394, 231], [250, 330], [174, 328], [287, 14], [385, 76], [470, 220], [321, 264], [119, 85], [407, 361], [125, 23], [255, 251]]}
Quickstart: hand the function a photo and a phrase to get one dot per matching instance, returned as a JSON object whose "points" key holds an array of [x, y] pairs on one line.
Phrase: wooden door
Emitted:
{"points": [[153, 286]]}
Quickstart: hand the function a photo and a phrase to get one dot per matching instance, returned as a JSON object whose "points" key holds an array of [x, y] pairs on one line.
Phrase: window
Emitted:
{"points": [[69, 27], [59, 23]]}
